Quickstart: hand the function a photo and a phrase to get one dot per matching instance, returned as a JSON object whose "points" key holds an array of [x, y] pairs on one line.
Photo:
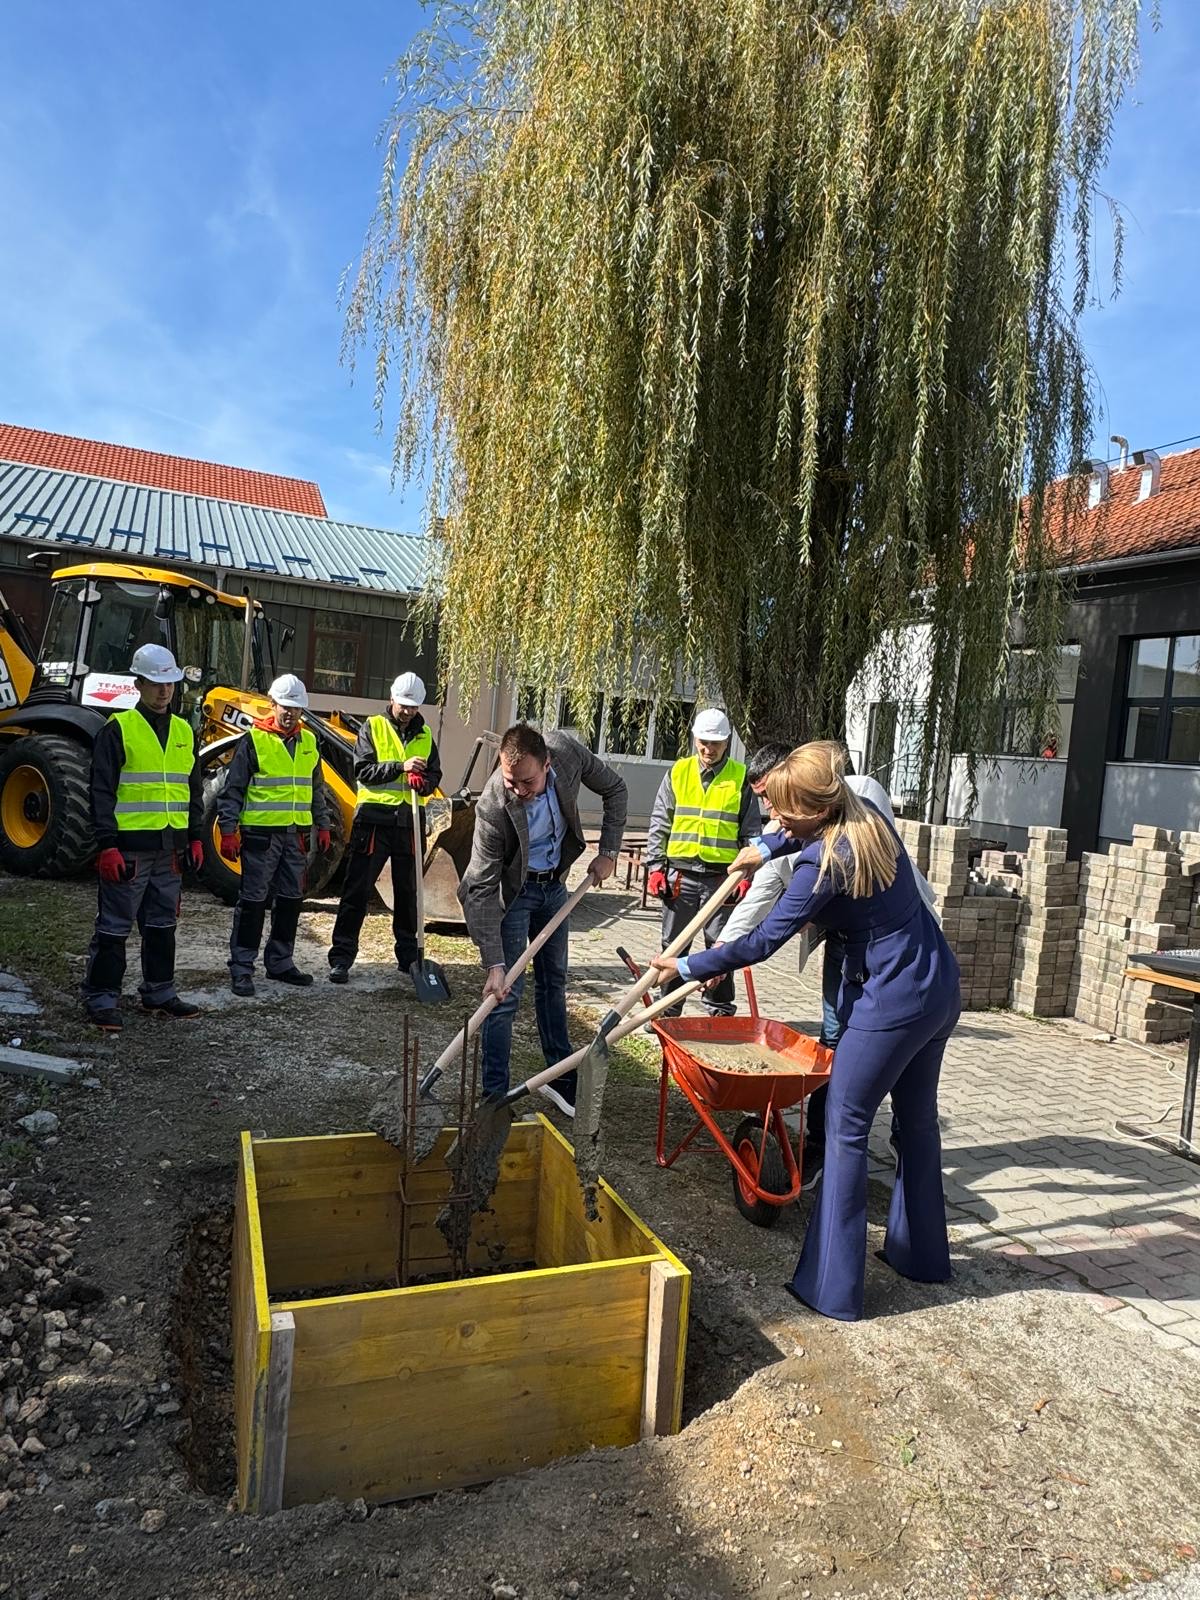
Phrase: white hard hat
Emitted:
{"points": [[155, 663], [287, 690], [408, 690], [711, 724]]}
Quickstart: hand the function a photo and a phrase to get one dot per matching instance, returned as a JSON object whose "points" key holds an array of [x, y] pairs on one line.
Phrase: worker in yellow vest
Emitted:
{"points": [[146, 802], [394, 757], [704, 812], [273, 796]]}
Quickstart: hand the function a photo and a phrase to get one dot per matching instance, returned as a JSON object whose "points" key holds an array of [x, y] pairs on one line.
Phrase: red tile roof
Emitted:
{"points": [[1122, 526], [180, 474]]}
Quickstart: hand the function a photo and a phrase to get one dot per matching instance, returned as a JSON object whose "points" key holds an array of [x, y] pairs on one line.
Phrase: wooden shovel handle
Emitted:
{"points": [[486, 1007]]}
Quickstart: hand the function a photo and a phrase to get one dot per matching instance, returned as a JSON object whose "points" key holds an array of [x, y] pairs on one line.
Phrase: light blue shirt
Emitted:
{"points": [[546, 828]]}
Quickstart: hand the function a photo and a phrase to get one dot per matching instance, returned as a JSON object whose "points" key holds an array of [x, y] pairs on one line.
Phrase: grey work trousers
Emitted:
{"points": [[273, 877], [694, 889], [149, 897]]}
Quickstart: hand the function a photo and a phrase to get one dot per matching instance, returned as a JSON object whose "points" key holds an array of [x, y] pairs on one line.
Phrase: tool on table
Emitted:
{"points": [[428, 1114], [495, 1116], [428, 978]]}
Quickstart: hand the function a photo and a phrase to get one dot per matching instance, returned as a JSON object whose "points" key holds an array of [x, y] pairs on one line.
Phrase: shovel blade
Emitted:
{"points": [[430, 984]]}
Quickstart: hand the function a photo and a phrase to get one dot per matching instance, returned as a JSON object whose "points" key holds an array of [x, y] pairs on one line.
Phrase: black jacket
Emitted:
{"points": [[108, 757], [369, 769]]}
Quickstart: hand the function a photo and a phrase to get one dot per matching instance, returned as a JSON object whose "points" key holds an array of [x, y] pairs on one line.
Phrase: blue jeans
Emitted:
{"points": [[523, 921]]}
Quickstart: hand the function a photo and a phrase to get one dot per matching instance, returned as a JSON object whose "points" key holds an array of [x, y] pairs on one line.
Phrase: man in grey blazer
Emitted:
{"points": [[527, 836]]}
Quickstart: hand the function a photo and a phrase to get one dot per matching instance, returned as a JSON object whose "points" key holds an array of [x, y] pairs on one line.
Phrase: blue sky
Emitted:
{"points": [[182, 188]]}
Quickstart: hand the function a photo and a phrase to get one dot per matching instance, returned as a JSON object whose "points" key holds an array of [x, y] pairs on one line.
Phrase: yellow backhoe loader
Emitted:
{"points": [[53, 704]]}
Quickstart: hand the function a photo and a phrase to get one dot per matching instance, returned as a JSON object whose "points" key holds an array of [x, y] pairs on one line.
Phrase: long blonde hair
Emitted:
{"points": [[811, 781]]}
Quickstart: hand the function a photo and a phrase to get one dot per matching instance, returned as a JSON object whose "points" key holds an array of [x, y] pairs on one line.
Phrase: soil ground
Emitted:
{"points": [[986, 1438]]}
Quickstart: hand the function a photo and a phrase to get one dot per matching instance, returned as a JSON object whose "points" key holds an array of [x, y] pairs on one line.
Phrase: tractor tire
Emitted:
{"points": [[224, 878], [45, 808]]}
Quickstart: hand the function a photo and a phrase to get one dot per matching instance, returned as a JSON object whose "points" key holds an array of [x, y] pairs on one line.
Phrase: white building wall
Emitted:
{"points": [[1145, 792], [1014, 793]]}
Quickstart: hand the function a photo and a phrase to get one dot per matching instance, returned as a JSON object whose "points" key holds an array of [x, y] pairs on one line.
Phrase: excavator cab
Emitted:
{"points": [[98, 619]]}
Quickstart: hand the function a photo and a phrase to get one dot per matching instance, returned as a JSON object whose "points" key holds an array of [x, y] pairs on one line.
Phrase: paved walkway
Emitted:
{"points": [[1034, 1165]]}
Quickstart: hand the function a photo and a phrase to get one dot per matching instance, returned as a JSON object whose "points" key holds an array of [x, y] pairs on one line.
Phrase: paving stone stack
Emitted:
{"points": [[915, 838], [1044, 949], [979, 922], [1139, 897]]}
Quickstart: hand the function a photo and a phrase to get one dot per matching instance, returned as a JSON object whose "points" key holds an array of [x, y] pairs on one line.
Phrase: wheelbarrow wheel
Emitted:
{"points": [[772, 1174]]}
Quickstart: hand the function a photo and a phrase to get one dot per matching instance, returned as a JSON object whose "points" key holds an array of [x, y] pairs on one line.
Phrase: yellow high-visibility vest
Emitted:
{"points": [[152, 790], [279, 795], [389, 746], [705, 824]]}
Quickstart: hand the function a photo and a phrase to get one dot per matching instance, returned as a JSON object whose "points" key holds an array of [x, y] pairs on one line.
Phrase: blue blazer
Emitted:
{"points": [[897, 965]]}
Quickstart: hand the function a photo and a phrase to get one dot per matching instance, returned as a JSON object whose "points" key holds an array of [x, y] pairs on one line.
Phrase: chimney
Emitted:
{"points": [[1115, 438], [1151, 464], [1098, 483]]}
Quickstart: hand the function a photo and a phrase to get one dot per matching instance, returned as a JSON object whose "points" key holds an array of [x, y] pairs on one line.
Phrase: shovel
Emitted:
{"points": [[495, 1116], [428, 978], [430, 1115]]}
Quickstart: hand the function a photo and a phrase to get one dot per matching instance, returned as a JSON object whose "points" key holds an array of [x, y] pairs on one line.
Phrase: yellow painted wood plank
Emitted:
{"points": [[358, 1338], [664, 1386], [564, 1236], [251, 1333], [355, 1241], [377, 1171], [615, 1199], [423, 1389]]}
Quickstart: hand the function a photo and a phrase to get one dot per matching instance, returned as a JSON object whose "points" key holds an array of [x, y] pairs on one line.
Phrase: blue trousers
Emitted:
{"points": [[523, 921], [831, 1031], [906, 1062]]}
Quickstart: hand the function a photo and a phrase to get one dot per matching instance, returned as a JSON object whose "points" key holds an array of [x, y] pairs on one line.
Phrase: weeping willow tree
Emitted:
{"points": [[732, 336]]}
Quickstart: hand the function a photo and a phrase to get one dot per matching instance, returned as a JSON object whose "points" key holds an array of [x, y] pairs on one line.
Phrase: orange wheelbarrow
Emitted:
{"points": [[766, 1169]]}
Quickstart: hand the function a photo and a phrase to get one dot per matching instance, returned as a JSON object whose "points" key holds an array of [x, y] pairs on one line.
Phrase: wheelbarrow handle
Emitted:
{"points": [[614, 1036], [486, 1007]]}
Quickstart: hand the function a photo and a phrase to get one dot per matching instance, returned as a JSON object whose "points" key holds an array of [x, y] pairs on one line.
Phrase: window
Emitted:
{"points": [[59, 647], [673, 729], [1162, 701], [628, 725], [1017, 734], [336, 651], [582, 718], [621, 726], [122, 619]]}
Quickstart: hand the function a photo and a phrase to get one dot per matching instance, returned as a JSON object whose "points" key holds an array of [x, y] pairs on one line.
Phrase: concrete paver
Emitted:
{"points": [[1035, 1164]]}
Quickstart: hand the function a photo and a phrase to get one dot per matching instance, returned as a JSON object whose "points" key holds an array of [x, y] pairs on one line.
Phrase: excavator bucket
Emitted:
{"points": [[451, 826]]}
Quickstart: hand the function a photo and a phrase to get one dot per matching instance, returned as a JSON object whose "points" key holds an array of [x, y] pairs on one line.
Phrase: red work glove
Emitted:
{"points": [[231, 846], [196, 855], [656, 883], [740, 892], [110, 865], [418, 781], [324, 840]]}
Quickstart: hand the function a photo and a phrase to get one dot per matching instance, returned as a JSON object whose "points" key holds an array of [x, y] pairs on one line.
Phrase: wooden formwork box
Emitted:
{"points": [[401, 1392]]}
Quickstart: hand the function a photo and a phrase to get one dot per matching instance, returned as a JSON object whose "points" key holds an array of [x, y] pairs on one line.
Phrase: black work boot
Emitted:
{"points": [[179, 1010]]}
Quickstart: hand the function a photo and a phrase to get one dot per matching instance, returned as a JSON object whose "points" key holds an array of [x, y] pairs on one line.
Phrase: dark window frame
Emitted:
{"points": [[1164, 704]]}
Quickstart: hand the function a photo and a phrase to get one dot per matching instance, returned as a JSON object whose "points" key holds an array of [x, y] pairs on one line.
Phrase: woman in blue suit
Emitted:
{"points": [[898, 1004]]}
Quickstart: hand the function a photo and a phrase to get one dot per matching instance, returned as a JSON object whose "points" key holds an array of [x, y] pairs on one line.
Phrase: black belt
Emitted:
{"points": [[549, 876]]}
